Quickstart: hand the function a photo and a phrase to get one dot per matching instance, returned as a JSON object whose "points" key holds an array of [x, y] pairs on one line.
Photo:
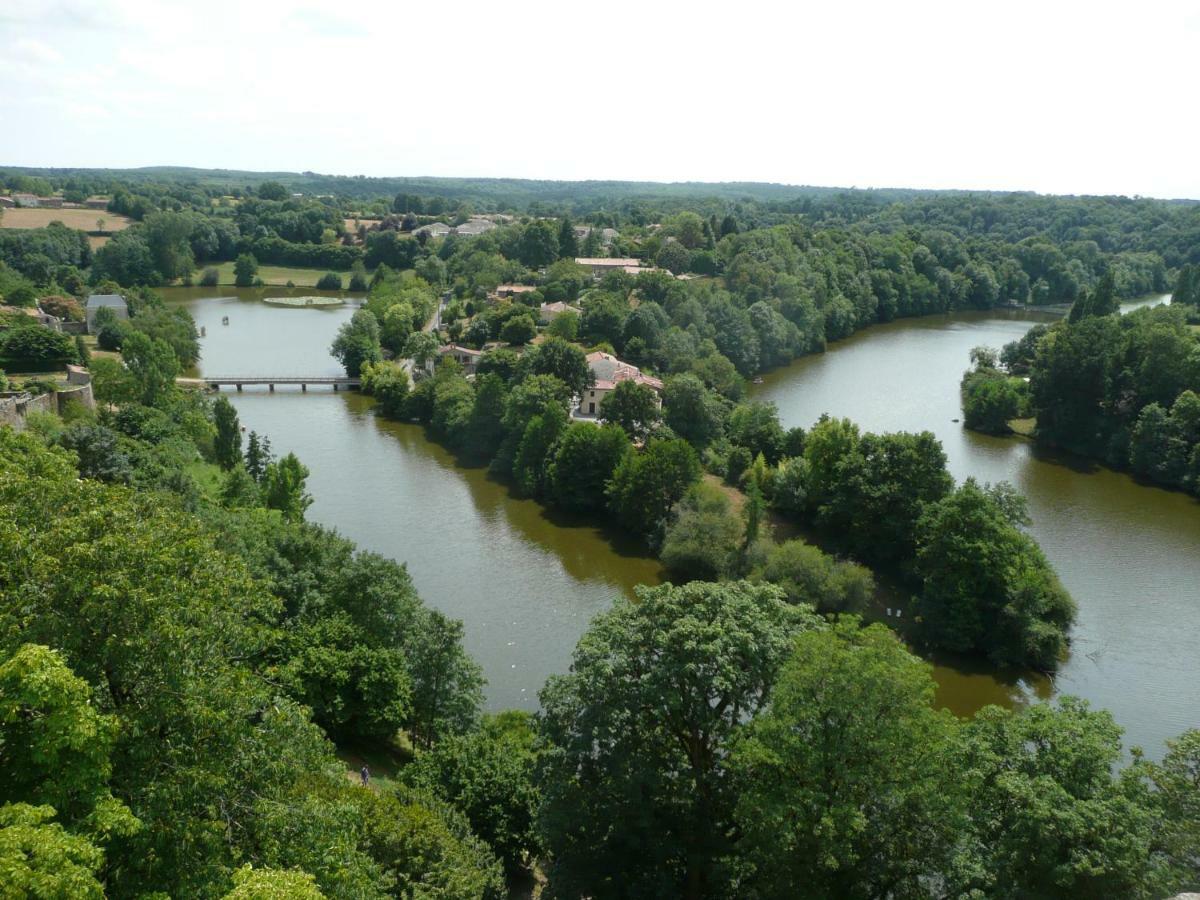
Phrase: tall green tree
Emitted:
{"points": [[1187, 286], [153, 366], [284, 487], [702, 542], [821, 802], [583, 464], [1051, 816], [692, 411], [245, 270], [258, 455], [985, 585], [488, 773], [168, 235], [560, 358], [39, 858], [539, 244], [227, 445], [637, 801], [632, 406], [646, 485], [55, 746], [568, 243], [357, 342]]}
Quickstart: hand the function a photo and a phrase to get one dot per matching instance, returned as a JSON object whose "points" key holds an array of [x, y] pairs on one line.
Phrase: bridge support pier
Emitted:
{"points": [[335, 387], [272, 388], [239, 387], [303, 388]]}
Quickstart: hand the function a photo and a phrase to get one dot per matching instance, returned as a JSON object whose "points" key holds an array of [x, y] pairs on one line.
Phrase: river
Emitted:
{"points": [[1129, 553], [526, 583]]}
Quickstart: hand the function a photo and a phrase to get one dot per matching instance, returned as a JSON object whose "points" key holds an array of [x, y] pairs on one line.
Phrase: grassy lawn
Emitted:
{"points": [[383, 762], [89, 341], [1023, 426], [274, 275]]}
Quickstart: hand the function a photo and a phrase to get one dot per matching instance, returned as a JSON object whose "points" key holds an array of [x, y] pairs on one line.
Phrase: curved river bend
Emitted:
{"points": [[526, 583]]}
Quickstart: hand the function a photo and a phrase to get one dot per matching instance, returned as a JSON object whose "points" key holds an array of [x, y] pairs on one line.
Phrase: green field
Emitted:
{"points": [[274, 275]]}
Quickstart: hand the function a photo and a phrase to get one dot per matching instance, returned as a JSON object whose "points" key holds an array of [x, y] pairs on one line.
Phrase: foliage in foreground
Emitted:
{"points": [[678, 761], [196, 756]]}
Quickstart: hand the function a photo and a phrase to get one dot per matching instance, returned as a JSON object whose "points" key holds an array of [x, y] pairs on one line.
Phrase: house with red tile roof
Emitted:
{"points": [[608, 372]]}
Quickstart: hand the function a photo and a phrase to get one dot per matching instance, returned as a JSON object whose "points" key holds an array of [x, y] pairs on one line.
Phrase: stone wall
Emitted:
{"points": [[15, 406], [79, 394], [80, 390]]}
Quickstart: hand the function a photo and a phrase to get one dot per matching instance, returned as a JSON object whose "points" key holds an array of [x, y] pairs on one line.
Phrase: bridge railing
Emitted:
{"points": [[279, 379]]}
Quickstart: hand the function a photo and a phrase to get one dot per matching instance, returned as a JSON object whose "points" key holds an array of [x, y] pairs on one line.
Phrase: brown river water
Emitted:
{"points": [[526, 582]]}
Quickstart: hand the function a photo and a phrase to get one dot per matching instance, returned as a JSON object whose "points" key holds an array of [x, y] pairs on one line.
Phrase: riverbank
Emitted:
{"points": [[1132, 648], [273, 276], [525, 584]]}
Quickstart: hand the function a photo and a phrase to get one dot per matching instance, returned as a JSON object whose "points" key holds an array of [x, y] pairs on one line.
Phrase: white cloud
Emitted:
{"points": [[34, 51], [1064, 97]]}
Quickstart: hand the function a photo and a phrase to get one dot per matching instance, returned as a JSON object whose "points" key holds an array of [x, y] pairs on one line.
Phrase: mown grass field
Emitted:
{"points": [[83, 219], [350, 226], [274, 275], [89, 341]]}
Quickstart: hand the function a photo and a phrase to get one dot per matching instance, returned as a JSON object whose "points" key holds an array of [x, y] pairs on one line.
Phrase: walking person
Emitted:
{"points": [[365, 774]]}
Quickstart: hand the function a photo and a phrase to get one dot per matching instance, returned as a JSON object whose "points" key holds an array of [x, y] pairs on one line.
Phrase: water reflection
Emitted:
{"points": [[1129, 553]]}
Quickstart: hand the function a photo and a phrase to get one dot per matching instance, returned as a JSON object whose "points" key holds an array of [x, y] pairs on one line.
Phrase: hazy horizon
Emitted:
{"points": [[1058, 100], [266, 173]]}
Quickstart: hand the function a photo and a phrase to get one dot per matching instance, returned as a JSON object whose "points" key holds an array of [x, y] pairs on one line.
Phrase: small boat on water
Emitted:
{"points": [[758, 379], [224, 320]]}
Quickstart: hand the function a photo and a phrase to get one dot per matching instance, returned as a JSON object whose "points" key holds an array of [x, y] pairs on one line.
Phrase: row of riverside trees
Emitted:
{"points": [[1124, 389]]}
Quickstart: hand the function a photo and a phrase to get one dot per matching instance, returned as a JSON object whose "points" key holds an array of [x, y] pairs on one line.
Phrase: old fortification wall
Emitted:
{"points": [[15, 406]]}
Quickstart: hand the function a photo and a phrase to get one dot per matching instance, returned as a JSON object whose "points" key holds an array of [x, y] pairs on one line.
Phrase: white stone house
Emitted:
{"points": [[96, 302], [608, 372]]}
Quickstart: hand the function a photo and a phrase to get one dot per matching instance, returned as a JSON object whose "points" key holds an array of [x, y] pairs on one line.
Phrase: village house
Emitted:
{"points": [[603, 265], [473, 227], [548, 312], [96, 202], [608, 372], [607, 235], [464, 356], [7, 202], [433, 229], [96, 302]]}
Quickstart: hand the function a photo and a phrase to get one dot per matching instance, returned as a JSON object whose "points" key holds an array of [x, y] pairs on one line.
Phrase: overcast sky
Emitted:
{"points": [[1050, 96]]}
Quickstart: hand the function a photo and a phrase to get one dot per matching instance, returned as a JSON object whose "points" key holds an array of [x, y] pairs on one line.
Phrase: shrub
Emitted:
{"points": [[209, 277], [807, 575], [36, 348], [989, 400], [330, 281], [358, 277], [702, 543], [518, 330]]}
